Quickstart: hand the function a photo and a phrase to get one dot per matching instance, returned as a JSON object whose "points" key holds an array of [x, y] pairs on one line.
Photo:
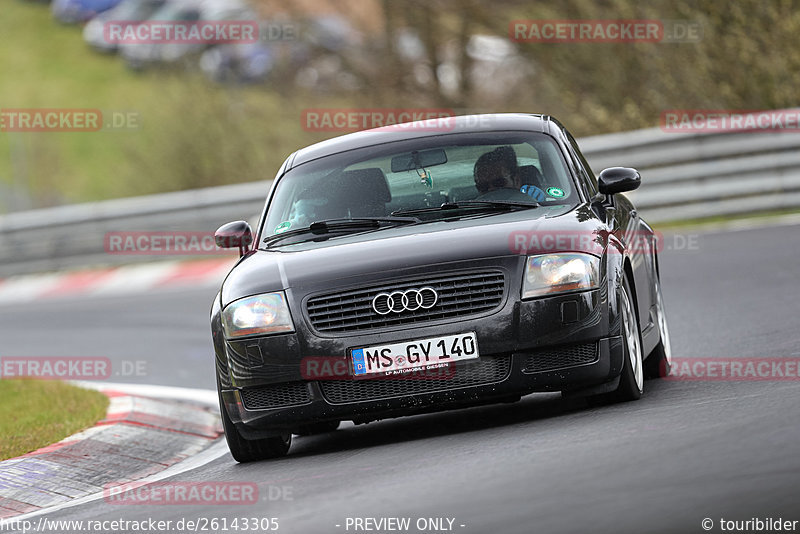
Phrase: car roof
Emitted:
{"points": [[419, 129]]}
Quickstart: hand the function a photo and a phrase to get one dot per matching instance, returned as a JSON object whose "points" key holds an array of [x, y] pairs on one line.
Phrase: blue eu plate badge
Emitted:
{"points": [[358, 362]]}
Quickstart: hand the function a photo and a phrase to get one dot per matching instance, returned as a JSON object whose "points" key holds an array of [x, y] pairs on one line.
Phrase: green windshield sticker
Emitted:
{"points": [[555, 192], [282, 227]]}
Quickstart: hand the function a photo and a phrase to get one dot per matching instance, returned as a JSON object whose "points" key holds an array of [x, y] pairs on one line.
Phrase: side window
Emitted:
{"points": [[591, 180]]}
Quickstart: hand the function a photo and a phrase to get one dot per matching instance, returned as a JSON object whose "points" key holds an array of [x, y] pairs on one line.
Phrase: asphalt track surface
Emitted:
{"points": [[684, 452]]}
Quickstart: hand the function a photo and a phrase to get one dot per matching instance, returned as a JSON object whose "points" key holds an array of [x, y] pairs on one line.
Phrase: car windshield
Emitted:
{"points": [[415, 177]]}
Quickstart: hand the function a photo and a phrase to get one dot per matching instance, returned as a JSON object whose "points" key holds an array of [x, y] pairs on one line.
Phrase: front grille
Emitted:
{"points": [[276, 396], [460, 294], [559, 358], [487, 370]]}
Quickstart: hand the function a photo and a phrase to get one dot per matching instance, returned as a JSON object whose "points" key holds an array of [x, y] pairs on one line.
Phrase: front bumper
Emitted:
{"points": [[562, 343], [319, 406]]}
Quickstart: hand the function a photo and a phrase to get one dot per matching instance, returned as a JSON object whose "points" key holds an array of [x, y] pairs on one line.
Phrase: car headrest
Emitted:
{"points": [[367, 184], [531, 175]]}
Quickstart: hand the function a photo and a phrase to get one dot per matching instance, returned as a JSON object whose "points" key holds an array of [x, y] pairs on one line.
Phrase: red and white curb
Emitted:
{"points": [[143, 438], [115, 281]]}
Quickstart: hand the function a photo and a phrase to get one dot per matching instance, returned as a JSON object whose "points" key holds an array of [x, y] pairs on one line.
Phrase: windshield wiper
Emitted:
{"points": [[333, 225], [502, 205]]}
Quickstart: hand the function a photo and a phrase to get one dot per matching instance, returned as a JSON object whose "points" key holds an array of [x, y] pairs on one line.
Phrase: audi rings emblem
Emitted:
{"points": [[409, 300]]}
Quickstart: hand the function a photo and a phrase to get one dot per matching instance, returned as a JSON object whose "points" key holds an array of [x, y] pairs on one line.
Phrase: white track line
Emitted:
{"points": [[738, 225], [133, 278], [202, 396], [27, 287]]}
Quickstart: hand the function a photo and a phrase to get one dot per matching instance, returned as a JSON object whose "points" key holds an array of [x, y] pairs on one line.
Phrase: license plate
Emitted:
{"points": [[401, 358]]}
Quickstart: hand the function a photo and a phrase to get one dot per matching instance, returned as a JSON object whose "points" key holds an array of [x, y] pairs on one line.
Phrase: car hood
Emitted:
{"points": [[344, 260]]}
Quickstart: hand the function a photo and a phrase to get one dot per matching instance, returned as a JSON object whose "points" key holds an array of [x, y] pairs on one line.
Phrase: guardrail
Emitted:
{"points": [[684, 176], [689, 176]]}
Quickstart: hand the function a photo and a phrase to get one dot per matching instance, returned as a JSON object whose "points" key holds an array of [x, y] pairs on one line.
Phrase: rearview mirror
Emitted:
{"points": [[237, 234], [618, 180], [419, 160]]}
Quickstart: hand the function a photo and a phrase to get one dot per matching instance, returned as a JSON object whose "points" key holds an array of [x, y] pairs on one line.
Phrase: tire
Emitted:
{"points": [[659, 361], [631, 383], [251, 450], [317, 428]]}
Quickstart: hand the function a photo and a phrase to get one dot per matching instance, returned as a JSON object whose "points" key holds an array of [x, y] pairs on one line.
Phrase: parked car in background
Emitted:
{"points": [[140, 56], [238, 62], [133, 11], [74, 11]]}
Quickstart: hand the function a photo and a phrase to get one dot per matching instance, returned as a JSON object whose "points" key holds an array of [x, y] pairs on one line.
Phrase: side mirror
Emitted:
{"points": [[618, 180], [237, 234]]}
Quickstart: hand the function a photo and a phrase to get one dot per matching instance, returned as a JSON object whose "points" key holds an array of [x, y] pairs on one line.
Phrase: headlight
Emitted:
{"points": [[261, 314], [560, 273]]}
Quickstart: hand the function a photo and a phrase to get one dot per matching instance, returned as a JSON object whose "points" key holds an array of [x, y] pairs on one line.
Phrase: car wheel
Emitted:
{"points": [[251, 450], [659, 362], [317, 428], [631, 383]]}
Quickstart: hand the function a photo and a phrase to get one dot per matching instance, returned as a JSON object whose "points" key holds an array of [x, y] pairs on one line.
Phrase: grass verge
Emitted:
{"points": [[188, 132], [37, 413]]}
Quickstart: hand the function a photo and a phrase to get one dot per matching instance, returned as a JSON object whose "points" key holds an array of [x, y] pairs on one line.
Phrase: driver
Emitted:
{"points": [[497, 176]]}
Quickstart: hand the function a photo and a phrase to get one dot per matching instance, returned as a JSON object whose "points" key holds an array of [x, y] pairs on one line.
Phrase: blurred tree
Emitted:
{"points": [[747, 58], [454, 54]]}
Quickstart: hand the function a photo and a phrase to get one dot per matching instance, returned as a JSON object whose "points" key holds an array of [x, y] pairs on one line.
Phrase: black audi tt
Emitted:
{"points": [[432, 266]]}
